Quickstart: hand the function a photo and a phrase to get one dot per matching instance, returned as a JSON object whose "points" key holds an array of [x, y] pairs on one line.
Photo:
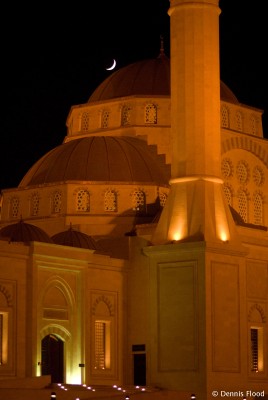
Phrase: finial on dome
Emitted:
{"points": [[162, 51]]}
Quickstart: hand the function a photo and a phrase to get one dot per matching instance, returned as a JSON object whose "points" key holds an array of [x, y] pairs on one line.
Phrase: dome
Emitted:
{"points": [[23, 232], [148, 77], [75, 238], [98, 159]]}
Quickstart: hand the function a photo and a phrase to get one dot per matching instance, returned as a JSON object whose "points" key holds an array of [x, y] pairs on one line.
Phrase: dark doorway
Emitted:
{"points": [[139, 369], [52, 358]]}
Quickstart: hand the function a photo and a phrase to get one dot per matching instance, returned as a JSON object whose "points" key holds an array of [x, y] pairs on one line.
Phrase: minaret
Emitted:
{"points": [[196, 208]]}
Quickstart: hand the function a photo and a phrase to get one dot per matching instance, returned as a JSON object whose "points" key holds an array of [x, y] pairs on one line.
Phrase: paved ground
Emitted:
{"points": [[25, 391], [71, 394]]}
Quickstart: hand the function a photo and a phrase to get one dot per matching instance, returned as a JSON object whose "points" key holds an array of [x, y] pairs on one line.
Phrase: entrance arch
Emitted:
{"points": [[52, 358]]}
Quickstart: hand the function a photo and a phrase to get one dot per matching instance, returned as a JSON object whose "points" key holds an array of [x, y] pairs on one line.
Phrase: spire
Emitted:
{"points": [[162, 51]]}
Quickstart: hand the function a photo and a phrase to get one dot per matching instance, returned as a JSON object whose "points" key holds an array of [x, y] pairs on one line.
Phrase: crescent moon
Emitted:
{"points": [[112, 67]]}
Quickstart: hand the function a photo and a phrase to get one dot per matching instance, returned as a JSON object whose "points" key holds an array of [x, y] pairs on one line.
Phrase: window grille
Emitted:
{"points": [[35, 204], [258, 209], [150, 114], [110, 200], [125, 116], [243, 205], [138, 199], [253, 125], [14, 207], [257, 349], [82, 200], [162, 199], [100, 333], [224, 117], [1, 339], [56, 202], [228, 194], [239, 120], [242, 172], [105, 119], [85, 121]]}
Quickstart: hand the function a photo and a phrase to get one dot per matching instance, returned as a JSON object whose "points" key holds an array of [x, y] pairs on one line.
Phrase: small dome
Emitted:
{"points": [[148, 77], [23, 232], [75, 238], [96, 158]]}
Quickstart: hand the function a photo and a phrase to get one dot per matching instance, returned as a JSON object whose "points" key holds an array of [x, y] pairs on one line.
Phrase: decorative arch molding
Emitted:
{"points": [[245, 143], [55, 329], [7, 295], [259, 309], [105, 300], [62, 285]]}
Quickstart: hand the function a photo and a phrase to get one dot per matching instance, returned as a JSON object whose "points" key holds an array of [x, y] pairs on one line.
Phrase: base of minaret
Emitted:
{"points": [[196, 209]]}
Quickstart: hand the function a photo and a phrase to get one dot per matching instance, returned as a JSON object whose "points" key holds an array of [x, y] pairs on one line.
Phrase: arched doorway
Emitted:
{"points": [[52, 358]]}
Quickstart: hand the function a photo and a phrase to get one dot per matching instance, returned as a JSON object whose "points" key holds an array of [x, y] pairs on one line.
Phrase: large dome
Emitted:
{"points": [[148, 77], [98, 159]]}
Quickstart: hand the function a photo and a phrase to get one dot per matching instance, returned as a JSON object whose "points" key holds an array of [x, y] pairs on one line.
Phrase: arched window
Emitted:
{"points": [[239, 121], [162, 199], [3, 337], [227, 168], [85, 121], [258, 209], [139, 201], [258, 175], [14, 207], [82, 200], [151, 114], [125, 115], [105, 119], [104, 334], [243, 205], [224, 117], [110, 200], [256, 339], [6, 324], [228, 194], [34, 205], [102, 344], [56, 201], [242, 172]]}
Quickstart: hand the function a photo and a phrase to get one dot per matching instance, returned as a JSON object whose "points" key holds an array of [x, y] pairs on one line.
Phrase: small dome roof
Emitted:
{"points": [[75, 238], [23, 232], [97, 158], [148, 77]]}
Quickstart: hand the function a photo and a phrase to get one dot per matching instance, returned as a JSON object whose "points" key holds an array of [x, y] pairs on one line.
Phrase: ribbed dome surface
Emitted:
{"points": [[23, 232], [75, 238], [148, 77], [96, 158]]}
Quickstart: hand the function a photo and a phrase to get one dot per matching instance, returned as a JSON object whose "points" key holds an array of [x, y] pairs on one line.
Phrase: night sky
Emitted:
{"points": [[54, 56]]}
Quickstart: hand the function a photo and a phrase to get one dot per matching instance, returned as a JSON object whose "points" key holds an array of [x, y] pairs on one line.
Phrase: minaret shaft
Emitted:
{"points": [[196, 207], [195, 88]]}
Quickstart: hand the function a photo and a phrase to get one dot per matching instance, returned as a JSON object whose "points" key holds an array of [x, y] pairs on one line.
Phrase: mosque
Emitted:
{"points": [[136, 252]]}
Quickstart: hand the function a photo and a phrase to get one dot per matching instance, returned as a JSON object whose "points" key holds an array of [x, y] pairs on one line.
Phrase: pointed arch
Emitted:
{"points": [[245, 143], [259, 309], [55, 329]]}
